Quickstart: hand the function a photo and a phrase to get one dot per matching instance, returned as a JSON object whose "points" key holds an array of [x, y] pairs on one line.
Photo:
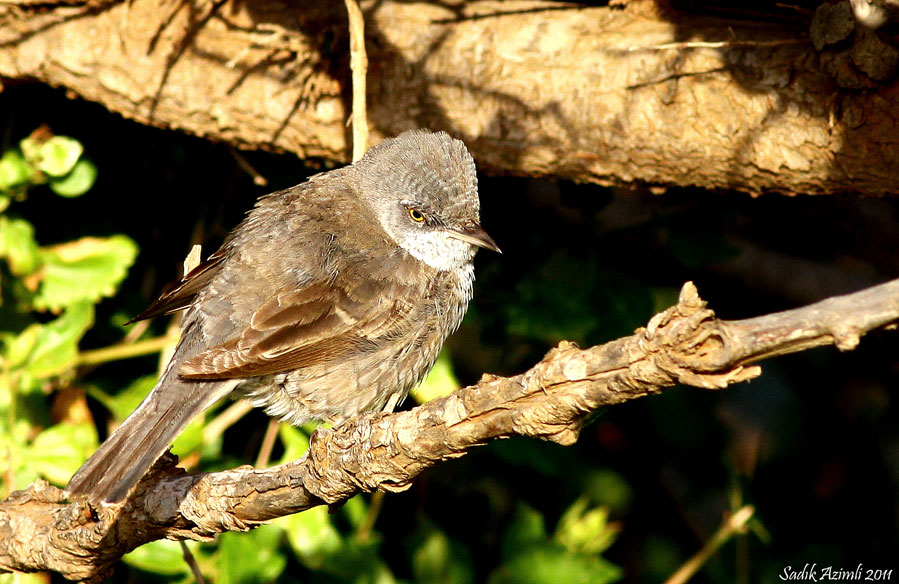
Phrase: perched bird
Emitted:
{"points": [[331, 298]]}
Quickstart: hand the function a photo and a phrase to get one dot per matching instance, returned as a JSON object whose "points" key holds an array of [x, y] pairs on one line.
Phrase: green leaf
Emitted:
{"points": [[530, 557], [58, 451], [356, 511], [86, 269], [312, 536], [18, 246], [359, 562], [77, 182], [440, 560], [295, 442], [162, 557], [251, 557], [607, 487], [56, 347], [320, 547], [58, 155], [22, 578], [14, 442], [585, 530], [551, 564], [378, 573], [14, 171], [440, 381], [526, 528], [46, 350], [18, 348], [31, 149]]}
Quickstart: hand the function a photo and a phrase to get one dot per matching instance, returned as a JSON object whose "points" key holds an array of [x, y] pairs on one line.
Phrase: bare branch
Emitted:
{"points": [[41, 530], [359, 66]]}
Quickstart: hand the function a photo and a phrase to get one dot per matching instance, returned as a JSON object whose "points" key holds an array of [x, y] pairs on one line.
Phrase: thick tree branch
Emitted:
{"points": [[40, 529], [605, 95]]}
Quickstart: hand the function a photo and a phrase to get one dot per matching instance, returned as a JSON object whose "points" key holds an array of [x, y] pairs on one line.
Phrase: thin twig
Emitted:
{"points": [[125, 351], [225, 420], [10, 472], [173, 329], [359, 65], [192, 562], [243, 163], [268, 442], [734, 525], [135, 332], [368, 523]]}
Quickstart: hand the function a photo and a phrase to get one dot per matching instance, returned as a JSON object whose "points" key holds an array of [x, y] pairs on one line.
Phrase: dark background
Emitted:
{"points": [[813, 443]]}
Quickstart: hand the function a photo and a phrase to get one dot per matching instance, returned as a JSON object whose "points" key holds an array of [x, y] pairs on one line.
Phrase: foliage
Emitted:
{"points": [[50, 292], [811, 443], [43, 158], [570, 555], [48, 298]]}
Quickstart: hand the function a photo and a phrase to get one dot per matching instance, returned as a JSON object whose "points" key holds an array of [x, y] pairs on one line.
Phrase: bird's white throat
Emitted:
{"points": [[439, 250]]}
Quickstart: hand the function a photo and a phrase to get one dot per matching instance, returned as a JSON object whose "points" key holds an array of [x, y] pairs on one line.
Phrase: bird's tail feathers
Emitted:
{"points": [[144, 436]]}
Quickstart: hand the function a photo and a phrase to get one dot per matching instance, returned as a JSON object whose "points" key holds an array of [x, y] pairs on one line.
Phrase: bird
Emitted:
{"points": [[331, 298]]}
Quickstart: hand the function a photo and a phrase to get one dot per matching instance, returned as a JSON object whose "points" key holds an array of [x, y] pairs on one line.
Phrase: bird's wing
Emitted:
{"points": [[312, 325], [182, 293]]}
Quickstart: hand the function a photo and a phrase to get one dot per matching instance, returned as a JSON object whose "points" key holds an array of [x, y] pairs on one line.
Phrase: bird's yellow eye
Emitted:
{"points": [[416, 215]]}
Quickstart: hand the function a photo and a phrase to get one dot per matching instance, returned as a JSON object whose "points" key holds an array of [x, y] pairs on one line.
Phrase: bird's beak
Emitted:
{"points": [[475, 235]]}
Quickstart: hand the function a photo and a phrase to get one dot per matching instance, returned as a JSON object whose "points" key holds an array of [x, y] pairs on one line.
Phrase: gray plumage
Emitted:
{"points": [[331, 298]]}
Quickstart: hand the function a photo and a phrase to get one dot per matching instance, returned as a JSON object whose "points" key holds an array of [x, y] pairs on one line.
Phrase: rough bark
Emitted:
{"points": [[40, 529], [534, 88]]}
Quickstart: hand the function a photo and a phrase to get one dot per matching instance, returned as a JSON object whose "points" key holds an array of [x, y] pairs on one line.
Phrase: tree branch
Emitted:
{"points": [[606, 95], [40, 529]]}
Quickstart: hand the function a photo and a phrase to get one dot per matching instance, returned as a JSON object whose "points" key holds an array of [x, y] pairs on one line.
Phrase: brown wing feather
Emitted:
{"points": [[181, 294], [305, 327]]}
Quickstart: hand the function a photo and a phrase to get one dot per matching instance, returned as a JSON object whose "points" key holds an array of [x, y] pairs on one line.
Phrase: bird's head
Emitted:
{"points": [[423, 189]]}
